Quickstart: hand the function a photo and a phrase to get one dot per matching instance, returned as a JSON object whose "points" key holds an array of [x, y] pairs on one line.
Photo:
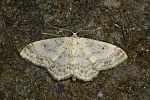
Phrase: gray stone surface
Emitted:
{"points": [[125, 24]]}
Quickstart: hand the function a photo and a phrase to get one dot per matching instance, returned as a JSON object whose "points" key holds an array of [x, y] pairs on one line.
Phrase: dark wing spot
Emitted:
{"points": [[45, 45]]}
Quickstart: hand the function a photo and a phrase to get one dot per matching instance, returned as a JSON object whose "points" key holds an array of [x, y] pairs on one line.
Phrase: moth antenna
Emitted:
{"points": [[90, 30], [61, 29], [51, 34]]}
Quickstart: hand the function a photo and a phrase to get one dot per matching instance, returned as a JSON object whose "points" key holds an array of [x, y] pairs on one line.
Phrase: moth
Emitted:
{"points": [[66, 57]]}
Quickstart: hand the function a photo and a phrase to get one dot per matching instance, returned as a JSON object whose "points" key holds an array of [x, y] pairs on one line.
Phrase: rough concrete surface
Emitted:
{"points": [[125, 23]]}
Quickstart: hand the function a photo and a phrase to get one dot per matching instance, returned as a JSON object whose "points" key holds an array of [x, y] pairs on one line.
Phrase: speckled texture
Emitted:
{"points": [[76, 57], [125, 24]]}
